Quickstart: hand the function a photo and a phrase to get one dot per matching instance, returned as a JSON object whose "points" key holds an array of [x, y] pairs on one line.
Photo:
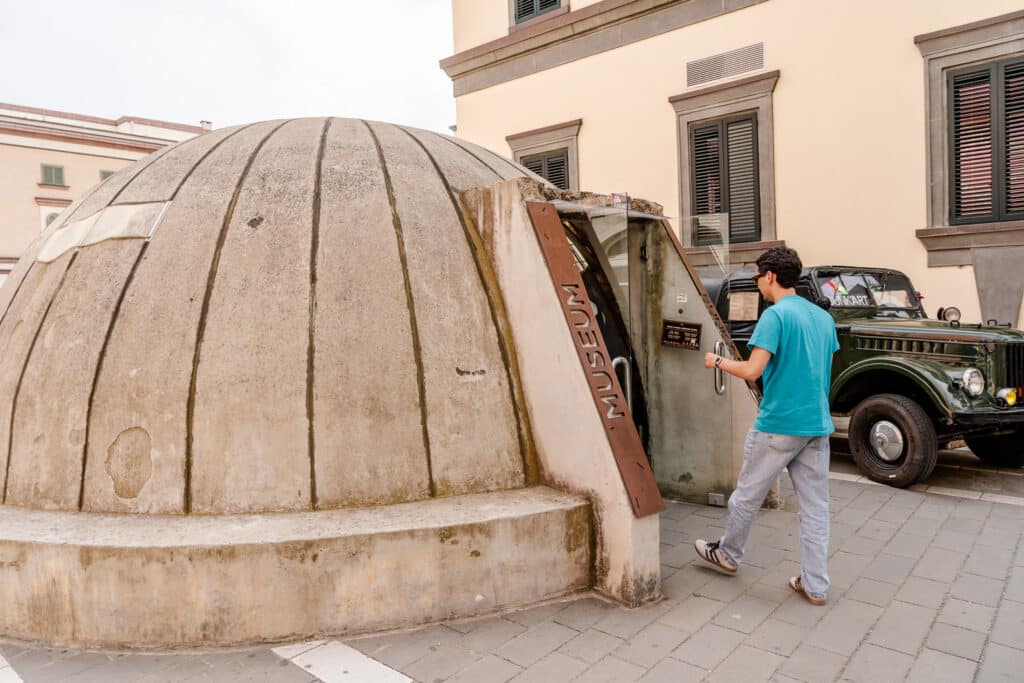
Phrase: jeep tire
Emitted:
{"points": [[893, 440], [1005, 450]]}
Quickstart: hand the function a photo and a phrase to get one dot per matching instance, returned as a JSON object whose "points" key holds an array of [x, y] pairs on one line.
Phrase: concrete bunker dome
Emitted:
{"points": [[251, 381], [309, 325]]}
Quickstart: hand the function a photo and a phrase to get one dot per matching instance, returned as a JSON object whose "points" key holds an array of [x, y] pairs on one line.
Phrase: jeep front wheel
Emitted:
{"points": [[893, 440], [1005, 450]]}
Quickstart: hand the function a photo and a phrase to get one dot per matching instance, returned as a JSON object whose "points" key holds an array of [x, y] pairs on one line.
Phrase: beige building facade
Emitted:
{"points": [[50, 158], [859, 133]]}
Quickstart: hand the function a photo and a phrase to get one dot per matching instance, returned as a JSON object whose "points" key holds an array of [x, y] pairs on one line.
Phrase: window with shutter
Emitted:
{"points": [[725, 180], [53, 175], [528, 9], [987, 143], [552, 166]]}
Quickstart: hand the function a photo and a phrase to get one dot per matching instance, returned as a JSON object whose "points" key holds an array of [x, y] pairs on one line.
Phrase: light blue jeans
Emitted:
{"points": [[764, 457]]}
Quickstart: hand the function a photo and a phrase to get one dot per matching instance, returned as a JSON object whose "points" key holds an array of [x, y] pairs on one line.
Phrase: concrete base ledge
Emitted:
{"points": [[144, 581]]}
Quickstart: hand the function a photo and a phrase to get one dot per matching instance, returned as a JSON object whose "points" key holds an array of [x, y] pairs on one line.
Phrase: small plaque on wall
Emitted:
{"points": [[681, 335]]}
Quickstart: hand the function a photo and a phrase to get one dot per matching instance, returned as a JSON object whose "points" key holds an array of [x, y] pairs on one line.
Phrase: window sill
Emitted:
{"points": [[951, 245], [54, 187]]}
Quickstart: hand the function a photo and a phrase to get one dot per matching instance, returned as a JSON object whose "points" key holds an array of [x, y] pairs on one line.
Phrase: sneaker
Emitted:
{"points": [[711, 553], [798, 587]]}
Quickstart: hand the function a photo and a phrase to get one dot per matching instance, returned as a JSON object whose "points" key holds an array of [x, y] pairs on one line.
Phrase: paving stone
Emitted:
{"points": [[441, 664], [797, 611], [933, 509], [584, 613], [686, 581], [894, 513], [692, 613], [777, 636], [972, 509], [552, 669], [903, 627], [673, 671], [907, 544], [873, 664], [844, 568], [964, 525], [779, 574], [612, 670], [773, 593], [762, 556], [842, 629], [940, 565], [535, 643], [491, 634], [746, 664], [678, 556], [489, 669], [967, 615], [1009, 626], [889, 568], [877, 530], [953, 540], [1015, 586], [992, 562], [872, 592], [924, 592], [956, 641], [994, 537], [744, 614], [938, 667], [858, 545], [624, 623], [1000, 664], [708, 646], [591, 646], [980, 589], [812, 664], [399, 650], [923, 525], [651, 645], [536, 615]]}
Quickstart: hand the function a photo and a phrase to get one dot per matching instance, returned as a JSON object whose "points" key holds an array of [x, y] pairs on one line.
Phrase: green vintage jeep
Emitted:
{"points": [[909, 385]]}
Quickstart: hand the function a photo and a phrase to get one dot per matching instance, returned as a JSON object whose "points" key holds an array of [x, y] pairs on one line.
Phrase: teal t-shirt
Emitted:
{"points": [[801, 337]]}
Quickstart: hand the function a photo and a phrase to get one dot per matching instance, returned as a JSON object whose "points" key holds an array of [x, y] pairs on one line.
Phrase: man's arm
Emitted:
{"points": [[749, 370]]}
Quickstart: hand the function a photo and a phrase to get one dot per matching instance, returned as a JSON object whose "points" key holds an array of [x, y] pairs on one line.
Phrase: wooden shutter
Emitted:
{"points": [[552, 166], [725, 180], [973, 146], [528, 9], [1013, 129], [706, 146], [744, 194]]}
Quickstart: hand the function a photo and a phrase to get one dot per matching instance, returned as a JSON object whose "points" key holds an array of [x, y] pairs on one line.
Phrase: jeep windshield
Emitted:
{"points": [[886, 291]]}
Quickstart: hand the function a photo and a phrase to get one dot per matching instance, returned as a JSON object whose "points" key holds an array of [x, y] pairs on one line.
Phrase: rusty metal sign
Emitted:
{"points": [[609, 399], [680, 334]]}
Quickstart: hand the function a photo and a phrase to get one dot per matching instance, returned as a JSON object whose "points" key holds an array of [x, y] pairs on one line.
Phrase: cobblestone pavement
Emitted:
{"points": [[925, 587]]}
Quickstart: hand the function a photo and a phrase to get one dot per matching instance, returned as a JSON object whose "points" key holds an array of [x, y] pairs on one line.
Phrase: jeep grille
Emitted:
{"points": [[901, 345], [1015, 365]]}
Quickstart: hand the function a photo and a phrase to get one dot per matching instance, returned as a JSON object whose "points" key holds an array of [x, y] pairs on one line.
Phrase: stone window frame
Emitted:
{"points": [[550, 139], [743, 95], [977, 43]]}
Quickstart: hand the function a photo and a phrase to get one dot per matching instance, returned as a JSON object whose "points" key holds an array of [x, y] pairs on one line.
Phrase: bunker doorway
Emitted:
{"points": [[658, 323]]}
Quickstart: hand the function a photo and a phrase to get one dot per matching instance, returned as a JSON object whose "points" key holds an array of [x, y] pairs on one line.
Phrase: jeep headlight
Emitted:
{"points": [[974, 382]]}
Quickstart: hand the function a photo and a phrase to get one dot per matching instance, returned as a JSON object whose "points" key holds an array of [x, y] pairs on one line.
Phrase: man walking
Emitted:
{"points": [[792, 346]]}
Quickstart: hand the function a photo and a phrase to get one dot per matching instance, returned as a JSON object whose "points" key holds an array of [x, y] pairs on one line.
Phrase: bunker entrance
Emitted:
{"points": [[658, 323]]}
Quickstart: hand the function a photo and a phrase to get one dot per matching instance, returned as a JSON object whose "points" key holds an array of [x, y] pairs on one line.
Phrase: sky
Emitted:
{"points": [[231, 61]]}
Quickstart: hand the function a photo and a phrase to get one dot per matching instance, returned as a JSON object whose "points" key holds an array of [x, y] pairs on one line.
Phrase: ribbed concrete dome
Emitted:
{"points": [[312, 325]]}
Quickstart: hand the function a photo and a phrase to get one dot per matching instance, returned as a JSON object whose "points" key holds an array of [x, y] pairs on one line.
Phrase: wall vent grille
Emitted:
{"points": [[732, 63]]}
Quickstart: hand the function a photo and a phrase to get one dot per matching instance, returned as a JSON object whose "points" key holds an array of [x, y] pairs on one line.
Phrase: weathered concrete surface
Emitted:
{"points": [[252, 360], [468, 398], [144, 381], [572, 447], [369, 437], [144, 581]]}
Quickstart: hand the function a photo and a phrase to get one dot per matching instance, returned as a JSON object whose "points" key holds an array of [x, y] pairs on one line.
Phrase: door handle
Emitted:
{"points": [[627, 379], [719, 376]]}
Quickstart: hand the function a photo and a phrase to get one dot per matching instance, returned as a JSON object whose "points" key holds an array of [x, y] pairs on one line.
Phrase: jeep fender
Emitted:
{"points": [[933, 379]]}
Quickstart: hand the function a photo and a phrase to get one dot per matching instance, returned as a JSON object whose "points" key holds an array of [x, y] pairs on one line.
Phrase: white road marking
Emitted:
{"points": [[7, 672], [335, 662], [939, 490]]}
